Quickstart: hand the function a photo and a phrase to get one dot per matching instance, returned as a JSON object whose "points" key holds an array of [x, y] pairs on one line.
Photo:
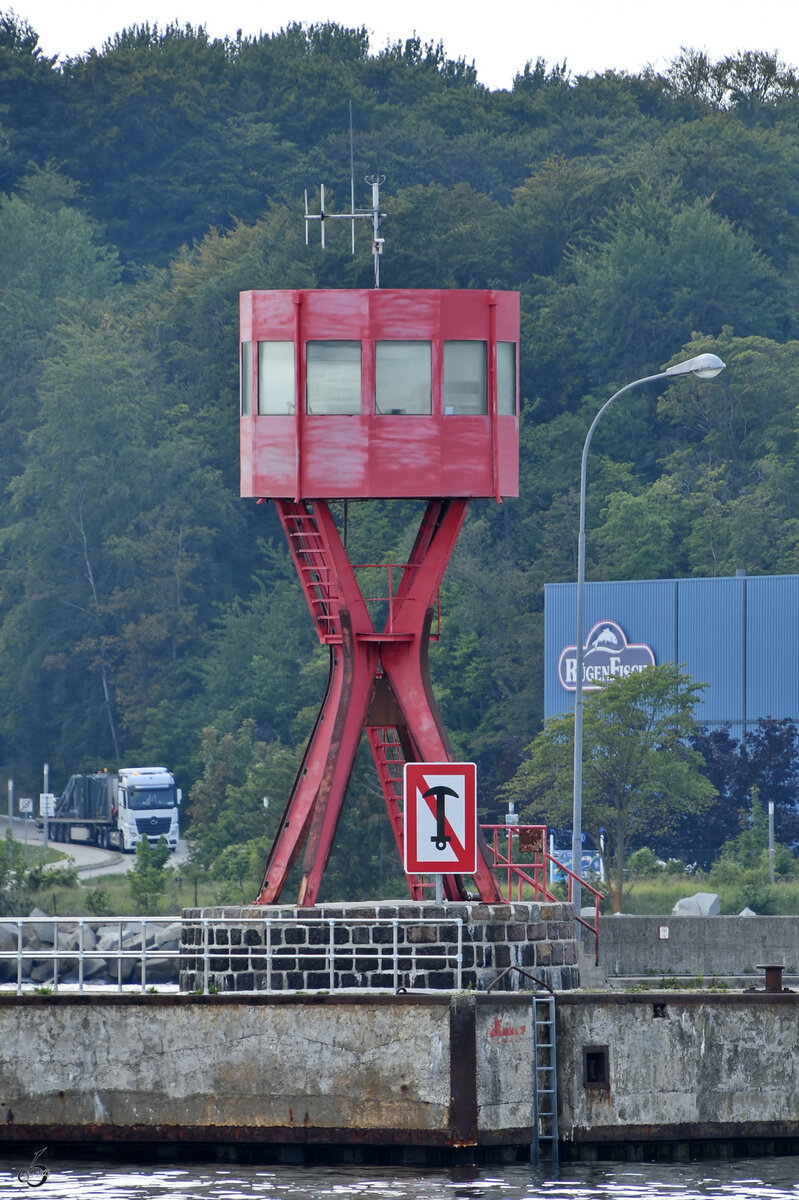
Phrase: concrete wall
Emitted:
{"points": [[407, 1070], [410, 1071], [697, 945], [681, 1067]]}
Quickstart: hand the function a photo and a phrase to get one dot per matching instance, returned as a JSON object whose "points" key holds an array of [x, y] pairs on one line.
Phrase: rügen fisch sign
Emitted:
{"points": [[606, 655]]}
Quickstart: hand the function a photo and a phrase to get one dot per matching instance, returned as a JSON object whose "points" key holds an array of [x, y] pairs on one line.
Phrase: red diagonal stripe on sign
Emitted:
{"points": [[455, 843]]}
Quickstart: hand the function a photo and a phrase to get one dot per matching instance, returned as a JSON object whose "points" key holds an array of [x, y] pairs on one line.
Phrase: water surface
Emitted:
{"points": [[741, 1179]]}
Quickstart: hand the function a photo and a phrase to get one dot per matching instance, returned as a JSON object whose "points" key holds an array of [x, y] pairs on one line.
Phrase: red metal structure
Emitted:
{"points": [[519, 855], [360, 395]]}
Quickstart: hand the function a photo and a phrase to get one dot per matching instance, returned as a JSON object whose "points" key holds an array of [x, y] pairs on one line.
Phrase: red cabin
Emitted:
{"points": [[365, 394]]}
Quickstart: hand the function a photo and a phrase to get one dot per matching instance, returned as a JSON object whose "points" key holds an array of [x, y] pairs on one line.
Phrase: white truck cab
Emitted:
{"points": [[148, 806]]}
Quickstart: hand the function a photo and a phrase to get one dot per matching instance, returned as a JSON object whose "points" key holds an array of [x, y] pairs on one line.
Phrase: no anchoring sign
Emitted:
{"points": [[440, 818]]}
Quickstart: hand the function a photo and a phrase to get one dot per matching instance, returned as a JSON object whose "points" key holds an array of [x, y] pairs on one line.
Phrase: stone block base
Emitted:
{"points": [[390, 945]]}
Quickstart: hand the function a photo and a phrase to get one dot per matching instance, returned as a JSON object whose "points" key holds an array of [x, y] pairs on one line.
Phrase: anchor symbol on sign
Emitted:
{"points": [[440, 837], [36, 1173]]}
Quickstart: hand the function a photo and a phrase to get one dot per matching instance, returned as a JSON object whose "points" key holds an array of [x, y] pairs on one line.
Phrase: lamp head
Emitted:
{"points": [[704, 366]]}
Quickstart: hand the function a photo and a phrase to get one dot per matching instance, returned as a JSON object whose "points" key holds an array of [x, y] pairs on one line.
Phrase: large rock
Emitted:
{"points": [[93, 968], [108, 938], [162, 970], [44, 929], [168, 938], [133, 933], [42, 972], [89, 939], [701, 904], [9, 936]]}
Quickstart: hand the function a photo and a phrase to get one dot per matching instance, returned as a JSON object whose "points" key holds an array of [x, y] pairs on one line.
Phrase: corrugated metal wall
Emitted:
{"points": [[735, 634]]}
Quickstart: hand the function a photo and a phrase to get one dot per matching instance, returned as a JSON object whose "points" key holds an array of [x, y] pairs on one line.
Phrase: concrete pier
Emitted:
{"points": [[415, 1072], [647, 1074], [674, 1073]]}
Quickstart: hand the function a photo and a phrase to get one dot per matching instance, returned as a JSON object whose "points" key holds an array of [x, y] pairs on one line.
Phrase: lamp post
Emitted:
{"points": [[704, 366]]}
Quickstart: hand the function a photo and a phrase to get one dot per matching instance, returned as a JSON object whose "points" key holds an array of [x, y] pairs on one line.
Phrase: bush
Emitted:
{"points": [[43, 876], [754, 890], [150, 876], [642, 864]]}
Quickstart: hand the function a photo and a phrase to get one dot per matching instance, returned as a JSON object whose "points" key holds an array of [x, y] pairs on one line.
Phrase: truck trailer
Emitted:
{"points": [[118, 809]]}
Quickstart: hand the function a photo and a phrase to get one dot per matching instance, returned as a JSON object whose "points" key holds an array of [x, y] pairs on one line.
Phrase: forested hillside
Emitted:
{"points": [[146, 612]]}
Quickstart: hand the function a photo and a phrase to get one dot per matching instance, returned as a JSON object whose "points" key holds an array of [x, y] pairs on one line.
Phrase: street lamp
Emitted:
{"points": [[704, 366]]}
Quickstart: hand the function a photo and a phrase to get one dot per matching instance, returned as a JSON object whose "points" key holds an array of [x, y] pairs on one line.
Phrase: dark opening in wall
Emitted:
{"points": [[596, 1066]]}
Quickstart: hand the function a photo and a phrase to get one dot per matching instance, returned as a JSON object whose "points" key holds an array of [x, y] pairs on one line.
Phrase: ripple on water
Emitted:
{"points": [[743, 1179]]}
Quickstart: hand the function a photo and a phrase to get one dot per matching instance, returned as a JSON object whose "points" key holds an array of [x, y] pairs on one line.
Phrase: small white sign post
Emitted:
{"points": [[46, 809], [25, 810]]}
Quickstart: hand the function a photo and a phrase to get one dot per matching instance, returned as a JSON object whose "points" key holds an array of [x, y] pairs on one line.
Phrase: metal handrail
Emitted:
{"points": [[518, 872], [571, 880], [61, 955], [534, 874], [145, 956], [390, 596]]}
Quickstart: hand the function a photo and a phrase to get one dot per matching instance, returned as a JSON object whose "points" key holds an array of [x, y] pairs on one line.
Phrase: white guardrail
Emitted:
{"points": [[142, 954]]}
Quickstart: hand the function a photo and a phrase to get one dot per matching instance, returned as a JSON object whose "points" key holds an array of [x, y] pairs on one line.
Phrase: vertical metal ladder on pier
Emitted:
{"points": [[544, 1146]]}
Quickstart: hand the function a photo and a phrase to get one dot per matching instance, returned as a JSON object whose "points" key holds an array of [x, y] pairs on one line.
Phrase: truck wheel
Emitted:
{"points": [[102, 838]]}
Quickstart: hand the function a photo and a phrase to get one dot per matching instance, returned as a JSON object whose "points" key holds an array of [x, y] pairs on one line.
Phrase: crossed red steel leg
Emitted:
{"points": [[378, 681]]}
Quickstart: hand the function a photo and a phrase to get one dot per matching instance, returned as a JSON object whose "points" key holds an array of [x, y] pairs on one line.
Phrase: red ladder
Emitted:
{"points": [[390, 761]]}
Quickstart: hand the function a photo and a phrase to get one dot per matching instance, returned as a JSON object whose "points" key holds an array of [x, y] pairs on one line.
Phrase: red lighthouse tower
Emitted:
{"points": [[358, 395]]}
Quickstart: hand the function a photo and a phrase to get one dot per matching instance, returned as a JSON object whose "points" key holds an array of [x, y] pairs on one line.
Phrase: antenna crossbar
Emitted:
{"points": [[372, 214]]}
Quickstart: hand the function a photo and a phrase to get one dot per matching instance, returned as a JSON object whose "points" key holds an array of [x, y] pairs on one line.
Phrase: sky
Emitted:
{"points": [[499, 38]]}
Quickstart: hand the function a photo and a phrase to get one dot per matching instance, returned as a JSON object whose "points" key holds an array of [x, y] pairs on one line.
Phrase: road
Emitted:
{"points": [[89, 861]]}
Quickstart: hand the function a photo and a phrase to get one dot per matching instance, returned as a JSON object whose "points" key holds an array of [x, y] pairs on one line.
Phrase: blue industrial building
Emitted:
{"points": [[737, 634]]}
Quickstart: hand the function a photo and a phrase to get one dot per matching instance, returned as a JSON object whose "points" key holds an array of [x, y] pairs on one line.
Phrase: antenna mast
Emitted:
{"points": [[372, 214]]}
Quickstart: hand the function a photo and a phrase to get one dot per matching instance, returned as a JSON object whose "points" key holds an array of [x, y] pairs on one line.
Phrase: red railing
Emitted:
{"points": [[521, 860], [387, 595]]}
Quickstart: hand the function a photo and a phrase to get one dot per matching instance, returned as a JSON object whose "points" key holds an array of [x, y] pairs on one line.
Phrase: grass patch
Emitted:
{"points": [[109, 896], [657, 897]]}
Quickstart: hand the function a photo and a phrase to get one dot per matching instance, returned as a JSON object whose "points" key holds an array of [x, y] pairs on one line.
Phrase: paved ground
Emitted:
{"points": [[89, 860]]}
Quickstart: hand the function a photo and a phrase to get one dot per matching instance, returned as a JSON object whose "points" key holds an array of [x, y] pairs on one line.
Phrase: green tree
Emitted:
{"points": [[52, 257], [240, 869], [364, 862], [749, 78], [240, 795], [30, 96], [639, 774], [109, 559], [150, 875]]}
